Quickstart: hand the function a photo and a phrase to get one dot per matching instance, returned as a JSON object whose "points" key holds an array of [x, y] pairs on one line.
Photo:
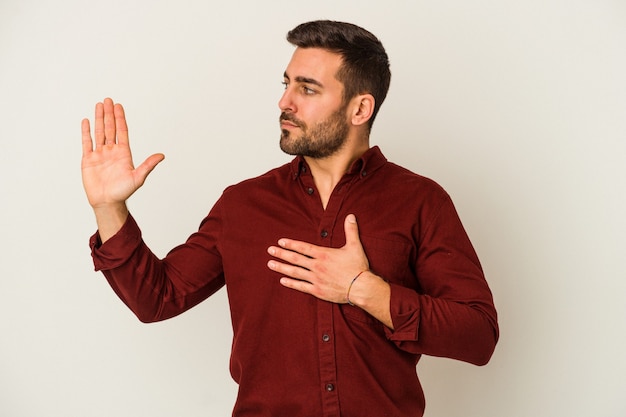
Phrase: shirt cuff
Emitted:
{"points": [[405, 314], [118, 249]]}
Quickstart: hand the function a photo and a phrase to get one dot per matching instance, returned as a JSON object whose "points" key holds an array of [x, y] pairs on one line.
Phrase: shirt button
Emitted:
{"points": [[325, 338], [310, 190], [324, 233], [330, 387]]}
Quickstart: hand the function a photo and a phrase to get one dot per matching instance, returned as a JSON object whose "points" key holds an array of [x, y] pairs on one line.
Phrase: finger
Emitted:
{"points": [[120, 124], [109, 122], [307, 249], [147, 166], [351, 229], [290, 256], [99, 127], [86, 137], [290, 271], [296, 284]]}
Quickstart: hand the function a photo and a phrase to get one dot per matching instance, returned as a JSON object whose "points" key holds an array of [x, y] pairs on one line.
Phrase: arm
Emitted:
{"points": [[109, 176], [452, 313], [152, 289], [157, 289]]}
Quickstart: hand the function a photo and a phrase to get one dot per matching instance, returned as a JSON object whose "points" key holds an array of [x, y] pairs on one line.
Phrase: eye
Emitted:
{"points": [[285, 84], [307, 90]]}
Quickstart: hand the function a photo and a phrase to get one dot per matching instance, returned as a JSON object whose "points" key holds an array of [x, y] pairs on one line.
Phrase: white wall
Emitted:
{"points": [[517, 108]]}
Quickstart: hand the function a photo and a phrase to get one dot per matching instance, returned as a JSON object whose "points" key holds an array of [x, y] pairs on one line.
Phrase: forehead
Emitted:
{"points": [[314, 63]]}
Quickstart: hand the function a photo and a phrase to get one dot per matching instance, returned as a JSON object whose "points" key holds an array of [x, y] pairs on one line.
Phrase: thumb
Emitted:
{"points": [[352, 230], [147, 166]]}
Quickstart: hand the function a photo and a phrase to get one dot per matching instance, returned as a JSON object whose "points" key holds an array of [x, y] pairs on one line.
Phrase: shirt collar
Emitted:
{"points": [[369, 162]]}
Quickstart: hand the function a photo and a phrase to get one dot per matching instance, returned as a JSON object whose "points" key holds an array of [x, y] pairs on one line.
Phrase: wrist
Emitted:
{"points": [[350, 286], [372, 294], [365, 289], [110, 219]]}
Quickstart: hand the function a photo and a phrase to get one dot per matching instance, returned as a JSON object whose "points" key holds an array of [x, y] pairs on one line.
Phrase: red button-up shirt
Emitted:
{"points": [[296, 355]]}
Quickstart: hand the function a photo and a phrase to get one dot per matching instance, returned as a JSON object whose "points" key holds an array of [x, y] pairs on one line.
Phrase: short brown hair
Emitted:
{"points": [[365, 64]]}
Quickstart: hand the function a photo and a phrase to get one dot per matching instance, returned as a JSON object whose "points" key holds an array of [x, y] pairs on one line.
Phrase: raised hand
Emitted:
{"points": [[109, 175]]}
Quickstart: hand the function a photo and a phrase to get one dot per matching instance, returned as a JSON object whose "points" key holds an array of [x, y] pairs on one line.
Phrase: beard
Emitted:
{"points": [[320, 141]]}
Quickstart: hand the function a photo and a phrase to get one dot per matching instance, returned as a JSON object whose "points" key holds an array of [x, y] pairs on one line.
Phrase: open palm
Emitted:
{"points": [[109, 175]]}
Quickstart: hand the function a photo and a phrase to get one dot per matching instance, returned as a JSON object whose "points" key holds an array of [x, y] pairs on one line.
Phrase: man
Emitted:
{"points": [[341, 268]]}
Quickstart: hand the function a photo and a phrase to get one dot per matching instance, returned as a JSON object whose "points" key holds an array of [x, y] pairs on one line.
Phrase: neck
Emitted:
{"points": [[327, 172]]}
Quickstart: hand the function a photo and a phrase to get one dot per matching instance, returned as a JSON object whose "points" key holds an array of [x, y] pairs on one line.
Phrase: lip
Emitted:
{"points": [[285, 124]]}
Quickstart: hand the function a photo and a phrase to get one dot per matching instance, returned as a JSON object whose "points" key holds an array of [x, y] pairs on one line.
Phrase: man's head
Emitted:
{"points": [[315, 117], [364, 63]]}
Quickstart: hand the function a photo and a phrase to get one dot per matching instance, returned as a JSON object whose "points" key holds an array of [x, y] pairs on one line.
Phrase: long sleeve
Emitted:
{"points": [[452, 314], [156, 289]]}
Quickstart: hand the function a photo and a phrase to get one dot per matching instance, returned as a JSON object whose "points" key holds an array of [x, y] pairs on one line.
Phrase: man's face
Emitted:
{"points": [[313, 118]]}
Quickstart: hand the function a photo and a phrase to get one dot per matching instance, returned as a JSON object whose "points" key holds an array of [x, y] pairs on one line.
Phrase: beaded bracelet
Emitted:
{"points": [[350, 287]]}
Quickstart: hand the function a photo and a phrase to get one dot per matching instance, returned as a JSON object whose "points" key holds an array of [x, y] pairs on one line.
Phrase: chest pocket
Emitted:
{"points": [[390, 259]]}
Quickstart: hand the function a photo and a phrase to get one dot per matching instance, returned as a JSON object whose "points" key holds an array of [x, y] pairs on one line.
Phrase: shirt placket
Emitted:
{"points": [[325, 326]]}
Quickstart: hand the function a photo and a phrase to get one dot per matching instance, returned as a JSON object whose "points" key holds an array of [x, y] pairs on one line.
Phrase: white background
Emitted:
{"points": [[517, 108]]}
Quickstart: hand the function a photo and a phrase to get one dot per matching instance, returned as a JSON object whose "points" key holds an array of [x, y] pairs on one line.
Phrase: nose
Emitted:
{"points": [[286, 103]]}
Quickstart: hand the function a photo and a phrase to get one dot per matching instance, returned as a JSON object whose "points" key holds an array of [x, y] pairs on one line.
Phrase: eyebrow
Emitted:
{"points": [[304, 80]]}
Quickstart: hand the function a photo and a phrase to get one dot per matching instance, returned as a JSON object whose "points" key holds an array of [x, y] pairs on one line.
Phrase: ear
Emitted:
{"points": [[362, 109]]}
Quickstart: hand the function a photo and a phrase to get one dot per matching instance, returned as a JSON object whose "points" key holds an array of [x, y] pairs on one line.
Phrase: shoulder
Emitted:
{"points": [[272, 179], [396, 177], [409, 182]]}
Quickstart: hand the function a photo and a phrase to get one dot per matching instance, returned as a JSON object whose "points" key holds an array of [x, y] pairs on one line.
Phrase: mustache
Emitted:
{"points": [[291, 118]]}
